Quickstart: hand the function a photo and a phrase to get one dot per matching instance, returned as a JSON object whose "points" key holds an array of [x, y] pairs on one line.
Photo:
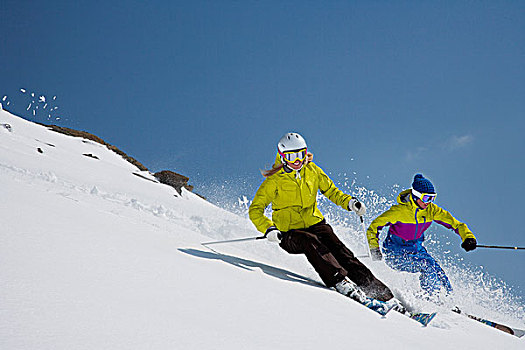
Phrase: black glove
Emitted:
{"points": [[376, 255], [469, 244]]}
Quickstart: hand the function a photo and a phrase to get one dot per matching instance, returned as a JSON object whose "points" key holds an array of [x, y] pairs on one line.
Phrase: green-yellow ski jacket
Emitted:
{"points": [[294, 199], [408, 222]]}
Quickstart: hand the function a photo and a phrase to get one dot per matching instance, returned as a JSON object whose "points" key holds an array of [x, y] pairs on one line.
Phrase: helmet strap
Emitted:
{"points": [[287, 169]]}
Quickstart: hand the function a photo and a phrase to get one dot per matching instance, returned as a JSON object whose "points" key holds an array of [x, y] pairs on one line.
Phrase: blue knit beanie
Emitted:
{"points": [[422, 185]]}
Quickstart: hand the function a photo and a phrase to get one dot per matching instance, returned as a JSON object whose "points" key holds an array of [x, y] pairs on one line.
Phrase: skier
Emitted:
{"points": [[298, 226], [403, 248]]}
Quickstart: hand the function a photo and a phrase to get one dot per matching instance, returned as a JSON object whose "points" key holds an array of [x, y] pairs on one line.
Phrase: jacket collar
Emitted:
{"points": [[292, 173], [405, 198]]}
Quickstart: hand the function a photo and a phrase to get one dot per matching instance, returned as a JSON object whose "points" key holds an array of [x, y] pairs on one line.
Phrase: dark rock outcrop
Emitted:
{"points": [[90, 155], [177, 181]]}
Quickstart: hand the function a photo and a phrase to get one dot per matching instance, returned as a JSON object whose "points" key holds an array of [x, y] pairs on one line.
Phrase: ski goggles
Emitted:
{"points": [[292, 156], [425, 197]]}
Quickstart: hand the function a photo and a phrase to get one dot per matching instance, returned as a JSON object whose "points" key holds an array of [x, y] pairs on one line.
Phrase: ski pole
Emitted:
{"points": [[235, 240], [499, 247], [363, 227]]}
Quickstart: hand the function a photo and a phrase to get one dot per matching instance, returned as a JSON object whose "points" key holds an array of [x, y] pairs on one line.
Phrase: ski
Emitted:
{"points": [[421, 317], [378, 306], [514, 331]]}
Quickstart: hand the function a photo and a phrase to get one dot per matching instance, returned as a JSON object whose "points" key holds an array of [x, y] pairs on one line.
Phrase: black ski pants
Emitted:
{"points": [[332, 259]]}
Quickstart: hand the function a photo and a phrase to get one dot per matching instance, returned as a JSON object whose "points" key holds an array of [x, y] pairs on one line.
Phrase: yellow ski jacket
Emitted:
{"points": [[294, 199], [408, 222]]}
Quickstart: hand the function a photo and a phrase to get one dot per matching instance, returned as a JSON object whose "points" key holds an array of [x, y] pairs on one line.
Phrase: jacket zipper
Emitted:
{"points": [[417, 224]]}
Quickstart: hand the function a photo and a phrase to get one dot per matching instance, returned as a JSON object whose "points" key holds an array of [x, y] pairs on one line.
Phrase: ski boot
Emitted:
{"points": [[397, 306], [351, 290]]}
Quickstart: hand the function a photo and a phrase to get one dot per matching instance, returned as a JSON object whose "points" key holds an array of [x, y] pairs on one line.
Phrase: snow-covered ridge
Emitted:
{"points": [[94, 257], [88, 136]]}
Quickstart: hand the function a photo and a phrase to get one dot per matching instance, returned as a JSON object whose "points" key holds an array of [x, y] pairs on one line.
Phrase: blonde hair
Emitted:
{"points": [[279, 165]]}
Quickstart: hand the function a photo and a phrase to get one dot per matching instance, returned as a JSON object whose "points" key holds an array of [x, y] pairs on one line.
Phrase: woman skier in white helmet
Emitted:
{"points": [[298, 226]]}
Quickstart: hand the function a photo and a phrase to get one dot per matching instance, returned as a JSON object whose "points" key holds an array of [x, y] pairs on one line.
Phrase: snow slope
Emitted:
{"points": [[94, 257]]}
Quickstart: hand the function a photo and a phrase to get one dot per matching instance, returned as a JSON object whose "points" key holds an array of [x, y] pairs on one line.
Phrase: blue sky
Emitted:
{"points": [[381, 89]]}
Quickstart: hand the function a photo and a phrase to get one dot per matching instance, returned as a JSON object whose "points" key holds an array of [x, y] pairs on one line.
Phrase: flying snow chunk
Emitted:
{"points": [[4, 98], [42, 99], [23, 91]]}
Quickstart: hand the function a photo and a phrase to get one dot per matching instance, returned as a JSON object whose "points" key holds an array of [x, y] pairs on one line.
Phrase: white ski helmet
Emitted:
{"points": [[292, 147], [291, 142]]}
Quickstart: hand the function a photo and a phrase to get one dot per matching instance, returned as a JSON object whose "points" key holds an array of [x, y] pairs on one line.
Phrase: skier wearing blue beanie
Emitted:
{"points": [[408, 220]]}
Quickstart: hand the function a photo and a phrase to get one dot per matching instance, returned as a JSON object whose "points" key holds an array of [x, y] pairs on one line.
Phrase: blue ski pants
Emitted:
{"points": [[411, 256]]}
